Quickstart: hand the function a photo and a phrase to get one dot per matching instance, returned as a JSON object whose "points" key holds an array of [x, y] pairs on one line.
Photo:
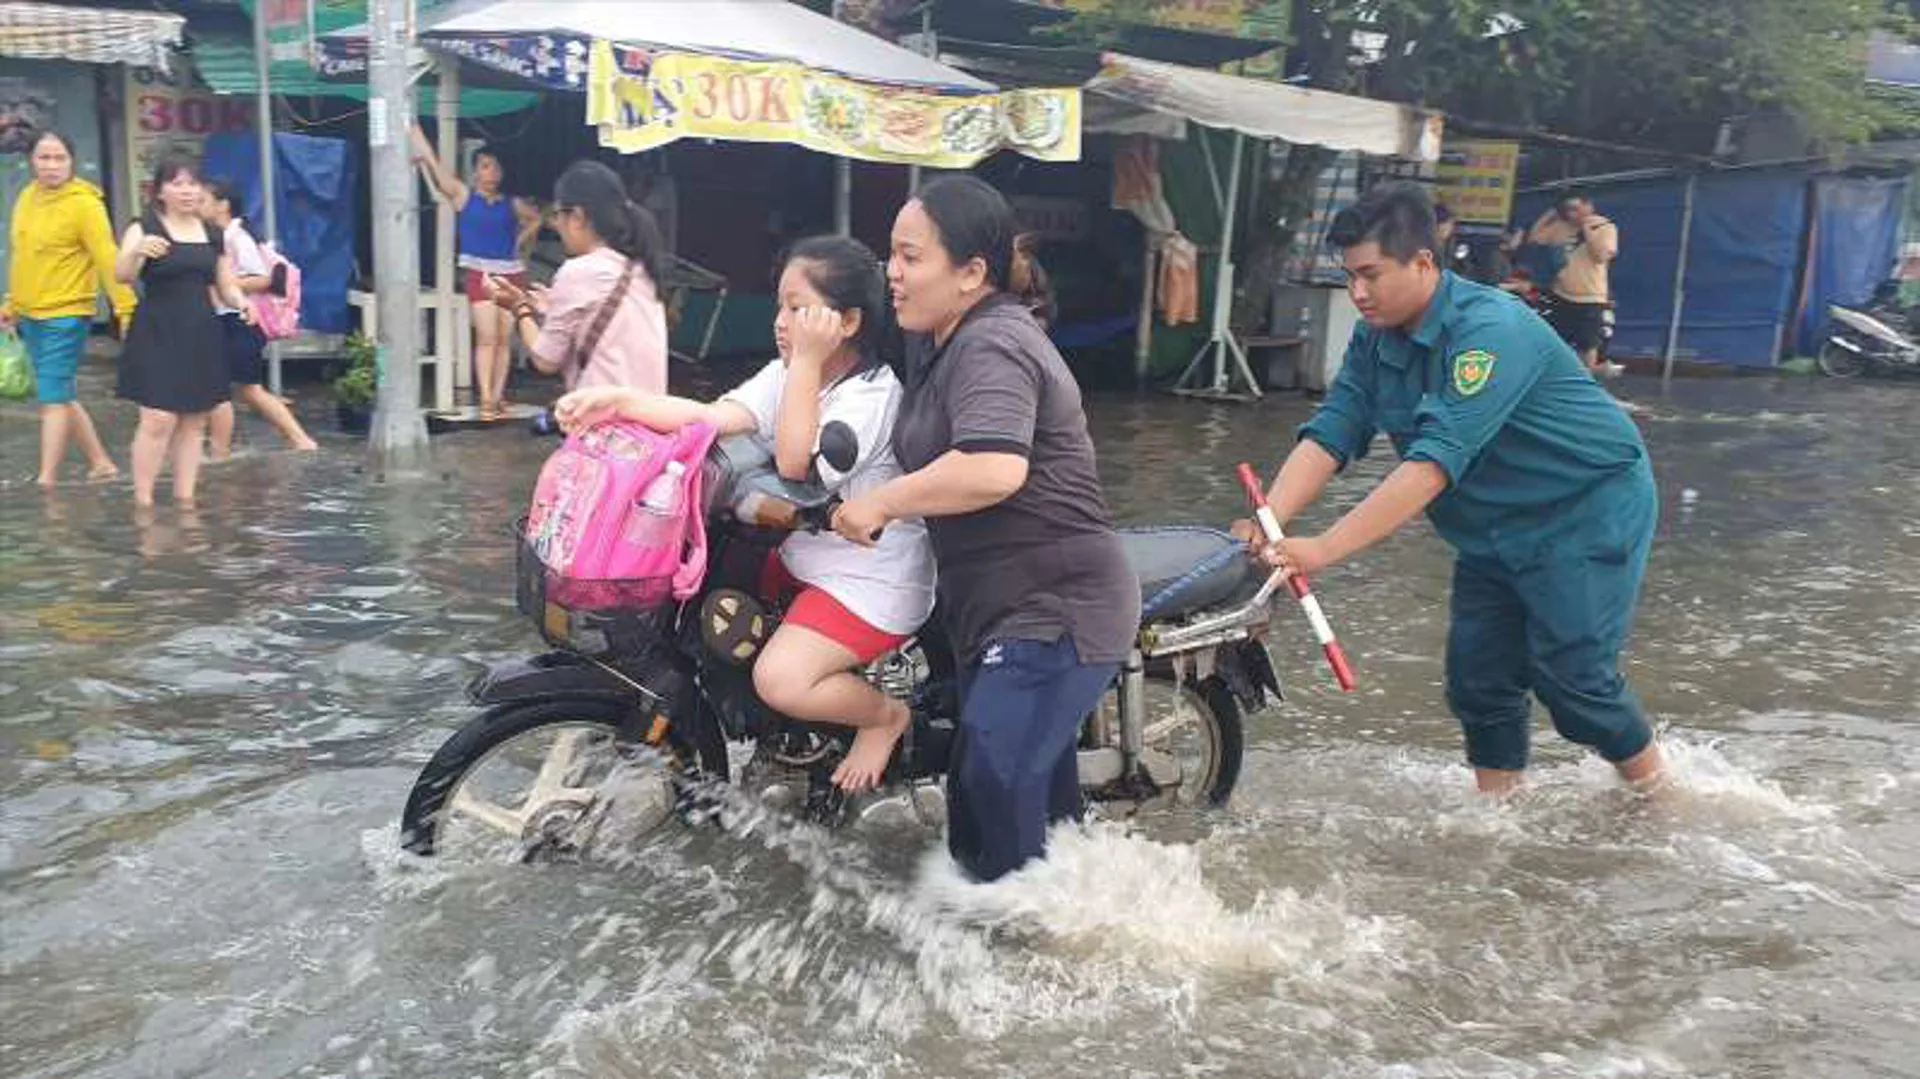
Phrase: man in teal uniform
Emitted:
{"points": [[1524, 465]]}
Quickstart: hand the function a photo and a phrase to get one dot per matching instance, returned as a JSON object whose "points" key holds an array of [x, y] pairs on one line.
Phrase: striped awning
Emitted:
{"points": [[88, 35]]}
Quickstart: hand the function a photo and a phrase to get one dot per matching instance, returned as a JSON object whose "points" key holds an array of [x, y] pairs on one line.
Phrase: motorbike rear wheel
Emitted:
{"points": [[565, 769], [1838, 361], [1199, 726]]}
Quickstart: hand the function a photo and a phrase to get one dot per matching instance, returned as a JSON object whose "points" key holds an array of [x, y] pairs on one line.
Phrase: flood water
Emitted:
{"points": [[209, 721]]}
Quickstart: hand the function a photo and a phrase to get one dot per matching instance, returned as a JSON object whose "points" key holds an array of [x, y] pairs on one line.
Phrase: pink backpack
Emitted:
{"points": [[600, 548], [278, 316]]}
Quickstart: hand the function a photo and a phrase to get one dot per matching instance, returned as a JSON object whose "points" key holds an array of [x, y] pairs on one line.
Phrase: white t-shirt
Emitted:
{"points": [[247, 260], [890, 586]]}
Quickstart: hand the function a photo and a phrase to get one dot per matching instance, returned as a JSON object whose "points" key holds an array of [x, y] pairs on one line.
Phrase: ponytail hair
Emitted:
{"points": [[595, 190], [1027, 280]]}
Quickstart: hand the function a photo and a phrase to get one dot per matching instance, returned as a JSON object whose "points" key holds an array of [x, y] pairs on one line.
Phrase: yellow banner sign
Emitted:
{"points": [[683, 95], [1474, 178]]}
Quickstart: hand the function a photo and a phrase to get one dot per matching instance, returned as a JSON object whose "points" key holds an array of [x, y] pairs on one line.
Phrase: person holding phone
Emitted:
{"points": [[601, 323]]}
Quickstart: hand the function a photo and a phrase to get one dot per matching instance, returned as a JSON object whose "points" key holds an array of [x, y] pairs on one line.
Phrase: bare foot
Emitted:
{"points": [[306, 445], [872, 748], [1647, 773], [103, 473], [47, 482], [1499, 783]]}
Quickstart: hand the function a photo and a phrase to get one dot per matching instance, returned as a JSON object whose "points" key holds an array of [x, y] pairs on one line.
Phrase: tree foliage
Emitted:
{"points": [[1644, 71], [1656, 74]]}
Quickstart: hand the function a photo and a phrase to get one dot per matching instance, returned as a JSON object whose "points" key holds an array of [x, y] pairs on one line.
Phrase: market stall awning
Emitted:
{"points": [[88, 35], [1270, 110], [740, 29], [742, 70], [546, 41]]}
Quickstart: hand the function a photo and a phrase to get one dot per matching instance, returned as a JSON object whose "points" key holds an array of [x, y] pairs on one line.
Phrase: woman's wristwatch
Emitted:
{"points": [[525, 310]]}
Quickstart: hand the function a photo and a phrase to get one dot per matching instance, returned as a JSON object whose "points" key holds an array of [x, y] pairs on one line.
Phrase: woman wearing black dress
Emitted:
{"points": [[174, 365]]}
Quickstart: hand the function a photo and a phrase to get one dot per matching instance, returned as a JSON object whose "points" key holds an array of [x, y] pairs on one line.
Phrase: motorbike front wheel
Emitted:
{"points": [[1839, 361], [543, 777]]}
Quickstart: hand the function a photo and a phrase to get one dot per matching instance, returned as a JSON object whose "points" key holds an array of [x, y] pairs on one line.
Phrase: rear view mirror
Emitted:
{"points": [[839, 446]]}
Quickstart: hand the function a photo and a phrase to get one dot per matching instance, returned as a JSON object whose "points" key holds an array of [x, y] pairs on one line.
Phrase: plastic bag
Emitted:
{"points": [[16, 371]]}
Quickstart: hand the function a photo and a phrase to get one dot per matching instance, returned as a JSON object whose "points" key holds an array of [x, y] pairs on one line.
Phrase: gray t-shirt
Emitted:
{"points": [[1044, 563]]}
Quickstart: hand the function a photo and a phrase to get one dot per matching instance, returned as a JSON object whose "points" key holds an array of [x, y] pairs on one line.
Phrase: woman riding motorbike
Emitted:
{"points": [[1035, 588]]}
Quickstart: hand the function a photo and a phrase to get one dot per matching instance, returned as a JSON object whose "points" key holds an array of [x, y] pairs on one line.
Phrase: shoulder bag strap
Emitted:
{"points": [[583, 349]]}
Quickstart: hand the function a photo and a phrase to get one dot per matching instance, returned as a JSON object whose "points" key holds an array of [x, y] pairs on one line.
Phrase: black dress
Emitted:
{"points": [[175, 357]]}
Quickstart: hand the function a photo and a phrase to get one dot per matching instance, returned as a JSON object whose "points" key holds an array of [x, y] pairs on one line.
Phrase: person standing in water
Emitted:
{"points": [[1035, 589], [245, 344], [1521, 461], [489, 235], [60, 249], [175, 363]]}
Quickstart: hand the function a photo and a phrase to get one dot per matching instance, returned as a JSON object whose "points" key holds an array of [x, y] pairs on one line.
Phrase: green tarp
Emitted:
{"points": [[226, 63]]}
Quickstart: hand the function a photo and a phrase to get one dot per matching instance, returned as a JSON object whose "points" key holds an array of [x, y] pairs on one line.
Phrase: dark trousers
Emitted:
{"points": [[1553, 626], [1015, 768]]}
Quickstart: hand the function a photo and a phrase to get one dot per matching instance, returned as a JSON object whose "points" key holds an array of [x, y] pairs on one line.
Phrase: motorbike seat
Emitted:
{"points": [[1184, 570]]}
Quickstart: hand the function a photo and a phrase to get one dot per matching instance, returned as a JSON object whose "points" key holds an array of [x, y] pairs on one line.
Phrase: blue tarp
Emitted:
{"points": [[1742, 263], [317, 180], [1854, 247]]}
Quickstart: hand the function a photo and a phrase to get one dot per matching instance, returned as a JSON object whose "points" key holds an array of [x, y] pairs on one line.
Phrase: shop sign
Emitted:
{"points": [[289, 26], [640, 102], [173, 112], [1474, 178]]}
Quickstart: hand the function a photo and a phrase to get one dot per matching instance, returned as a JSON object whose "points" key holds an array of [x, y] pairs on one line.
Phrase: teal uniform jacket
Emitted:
{"points": [[1550, 504]]}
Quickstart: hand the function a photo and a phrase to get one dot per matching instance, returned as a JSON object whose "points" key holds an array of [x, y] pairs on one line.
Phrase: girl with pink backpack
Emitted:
{"points": [[245, 339], [853, 604]]}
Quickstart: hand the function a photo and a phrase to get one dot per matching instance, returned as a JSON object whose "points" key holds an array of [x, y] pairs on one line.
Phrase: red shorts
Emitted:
{"points": [[475, 282], [812, 608]]}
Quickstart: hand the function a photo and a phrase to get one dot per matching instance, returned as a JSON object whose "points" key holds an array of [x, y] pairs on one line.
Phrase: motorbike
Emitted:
{"points": [[1876, 339], [627, 720]]}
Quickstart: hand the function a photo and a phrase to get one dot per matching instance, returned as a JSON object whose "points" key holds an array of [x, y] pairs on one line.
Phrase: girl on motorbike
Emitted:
{"points": [[853, 605]]}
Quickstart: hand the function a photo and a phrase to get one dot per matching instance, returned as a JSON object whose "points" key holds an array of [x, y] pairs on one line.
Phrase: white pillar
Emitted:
{"points": [[449, 345]]}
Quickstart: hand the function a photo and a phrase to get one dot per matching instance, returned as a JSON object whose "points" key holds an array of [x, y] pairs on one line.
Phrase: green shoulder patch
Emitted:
{"points": [[1471, 371]]}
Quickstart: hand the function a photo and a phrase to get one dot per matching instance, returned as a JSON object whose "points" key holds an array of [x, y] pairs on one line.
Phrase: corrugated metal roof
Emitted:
{"points": [[226, 63], [88, 35]]}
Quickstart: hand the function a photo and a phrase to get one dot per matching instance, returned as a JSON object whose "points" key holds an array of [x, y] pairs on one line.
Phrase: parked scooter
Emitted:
{"points": [[1878, 339]]}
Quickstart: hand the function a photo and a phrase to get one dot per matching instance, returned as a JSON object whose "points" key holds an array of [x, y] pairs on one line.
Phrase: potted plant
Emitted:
{"points": [[355, 384]]}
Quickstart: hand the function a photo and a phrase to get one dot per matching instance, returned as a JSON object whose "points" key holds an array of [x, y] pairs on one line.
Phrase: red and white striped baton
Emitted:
{"points": [[1297, 583]]}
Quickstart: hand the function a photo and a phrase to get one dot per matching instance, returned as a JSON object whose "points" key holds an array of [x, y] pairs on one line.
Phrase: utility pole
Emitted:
{"points": [[263, 120], [399, 435]]}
